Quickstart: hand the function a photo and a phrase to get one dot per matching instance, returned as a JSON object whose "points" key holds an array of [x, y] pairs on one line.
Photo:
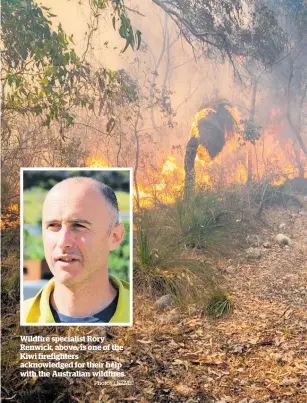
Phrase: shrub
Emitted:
{"points": [[219, 305], [201, 219], [162, 262], [119, 259]]}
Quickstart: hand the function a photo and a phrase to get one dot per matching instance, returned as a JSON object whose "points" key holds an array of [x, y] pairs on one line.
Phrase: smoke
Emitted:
{"points": [[167, 68], [165, 61]]}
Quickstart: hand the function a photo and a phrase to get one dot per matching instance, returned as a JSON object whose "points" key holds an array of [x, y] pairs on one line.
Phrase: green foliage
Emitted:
{"points": [[41, 72], [133, 39], [143, 248], [33, 246], [119, 258], [200, 219], [123, 199], [161, 263], [125, 30], [40, 68], [155, 246], [32, 204], [219, 305], [117, 180], [251, 132], [129, 86]]}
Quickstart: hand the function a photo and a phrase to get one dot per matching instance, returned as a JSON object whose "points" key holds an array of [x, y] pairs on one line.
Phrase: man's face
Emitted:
{"points": [[76, 232]]}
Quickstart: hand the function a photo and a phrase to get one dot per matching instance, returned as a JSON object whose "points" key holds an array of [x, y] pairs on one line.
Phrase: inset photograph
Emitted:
{"points": [[76, 246]]}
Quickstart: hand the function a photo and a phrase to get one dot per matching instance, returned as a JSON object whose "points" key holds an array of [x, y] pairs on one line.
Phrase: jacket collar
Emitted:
{"points": [[42, 300]]}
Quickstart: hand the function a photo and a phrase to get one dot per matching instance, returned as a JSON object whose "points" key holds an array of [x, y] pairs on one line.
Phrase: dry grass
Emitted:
{"points": [[163, 264]]}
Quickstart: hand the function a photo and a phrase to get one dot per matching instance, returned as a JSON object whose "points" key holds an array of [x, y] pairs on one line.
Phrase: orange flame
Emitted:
{"points": [[199, 115], [10, 217], [271, 158], [162, 186], [93, 162]]}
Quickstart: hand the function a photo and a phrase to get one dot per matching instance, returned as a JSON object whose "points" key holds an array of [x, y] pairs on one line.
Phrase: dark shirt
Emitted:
{"points": [[103, 316]]}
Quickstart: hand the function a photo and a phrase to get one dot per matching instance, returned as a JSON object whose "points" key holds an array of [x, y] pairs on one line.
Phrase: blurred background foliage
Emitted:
{"points": [[117, 180], [36, 186]]}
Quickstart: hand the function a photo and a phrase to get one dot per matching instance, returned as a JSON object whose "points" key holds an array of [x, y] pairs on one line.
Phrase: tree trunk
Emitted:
{"points": [[249, 146], [295, 128], [299, 164], [249, 164], [189, 166]]}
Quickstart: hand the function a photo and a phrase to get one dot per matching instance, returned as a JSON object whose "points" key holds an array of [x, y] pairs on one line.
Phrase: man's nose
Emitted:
{"points": [[65, 238]]}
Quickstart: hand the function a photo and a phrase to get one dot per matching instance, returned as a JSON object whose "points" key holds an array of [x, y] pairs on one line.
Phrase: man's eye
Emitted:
{"points": [[76, 225], [53, 225]]}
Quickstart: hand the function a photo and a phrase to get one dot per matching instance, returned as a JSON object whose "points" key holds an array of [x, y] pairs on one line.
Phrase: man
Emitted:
{"points": [[80, 227]]}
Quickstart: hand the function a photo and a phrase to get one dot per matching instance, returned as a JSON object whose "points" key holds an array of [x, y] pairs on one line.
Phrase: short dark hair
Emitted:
{"points": [[110, 197]]}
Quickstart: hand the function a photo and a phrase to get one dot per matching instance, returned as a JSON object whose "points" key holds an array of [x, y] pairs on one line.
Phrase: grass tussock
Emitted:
{"points": [[206, 222], [220, 305], [199, 219], [163, 263]]}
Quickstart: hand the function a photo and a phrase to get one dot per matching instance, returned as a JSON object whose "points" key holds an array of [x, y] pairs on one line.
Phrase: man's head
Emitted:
{"points": [[80, 227]]}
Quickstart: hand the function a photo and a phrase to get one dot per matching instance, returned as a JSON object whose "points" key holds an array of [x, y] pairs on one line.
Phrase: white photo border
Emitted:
{"points": [[130, 170]]}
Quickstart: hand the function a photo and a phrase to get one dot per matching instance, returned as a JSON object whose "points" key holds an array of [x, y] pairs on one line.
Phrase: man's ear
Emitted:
{"points": [[116, 236]]}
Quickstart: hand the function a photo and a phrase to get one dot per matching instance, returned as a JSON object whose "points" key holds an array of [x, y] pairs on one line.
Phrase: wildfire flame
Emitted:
{"points": [[10, 217], [94, 162], [199, 115], [271, 158]]}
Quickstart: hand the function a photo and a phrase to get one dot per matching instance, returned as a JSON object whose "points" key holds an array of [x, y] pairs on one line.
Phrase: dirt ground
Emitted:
{"points": [[256, 355]]}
